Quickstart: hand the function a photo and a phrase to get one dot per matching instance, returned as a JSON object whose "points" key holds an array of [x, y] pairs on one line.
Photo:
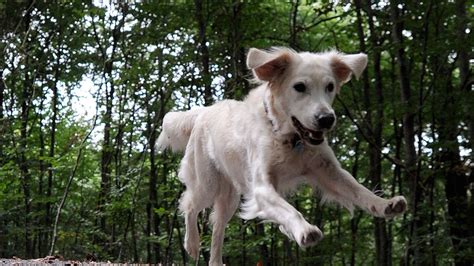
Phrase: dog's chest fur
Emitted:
{"points": [[292, 165]]}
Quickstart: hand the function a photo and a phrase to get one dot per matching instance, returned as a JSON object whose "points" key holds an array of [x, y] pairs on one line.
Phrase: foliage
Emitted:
{"points": [[144, 59]]}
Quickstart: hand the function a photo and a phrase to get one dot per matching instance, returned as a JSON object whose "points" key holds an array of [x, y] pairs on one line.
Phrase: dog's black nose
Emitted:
{"points": [[326, 121]]}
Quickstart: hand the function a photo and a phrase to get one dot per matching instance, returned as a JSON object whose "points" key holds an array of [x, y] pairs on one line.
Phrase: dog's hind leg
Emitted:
{"points": [[225, 205], [190, 206], [201, 179]]}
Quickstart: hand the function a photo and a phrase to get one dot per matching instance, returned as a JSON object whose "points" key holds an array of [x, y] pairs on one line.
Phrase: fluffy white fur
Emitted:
{"points": [[235, 148]]}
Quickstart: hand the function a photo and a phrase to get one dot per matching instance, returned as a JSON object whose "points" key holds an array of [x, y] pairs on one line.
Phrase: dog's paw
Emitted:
{"points": [[312, 238], [396, 206], [309, 237]]}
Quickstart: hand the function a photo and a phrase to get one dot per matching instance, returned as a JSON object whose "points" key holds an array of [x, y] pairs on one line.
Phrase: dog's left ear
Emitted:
{"points": [[344, 66]]}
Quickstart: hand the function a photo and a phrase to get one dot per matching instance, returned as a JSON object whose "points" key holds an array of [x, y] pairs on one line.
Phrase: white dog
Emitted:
{"points": [[266, 145]]}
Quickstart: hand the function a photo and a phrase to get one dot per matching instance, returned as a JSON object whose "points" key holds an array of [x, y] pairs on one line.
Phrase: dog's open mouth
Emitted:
{"points": [[311, 136]]}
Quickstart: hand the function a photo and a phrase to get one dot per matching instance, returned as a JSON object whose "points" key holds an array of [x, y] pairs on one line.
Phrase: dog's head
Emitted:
{"points": [[304, 85]]}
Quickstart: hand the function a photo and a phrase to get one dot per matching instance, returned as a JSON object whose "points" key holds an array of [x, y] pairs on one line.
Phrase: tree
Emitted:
{"points": [[104, 192]]}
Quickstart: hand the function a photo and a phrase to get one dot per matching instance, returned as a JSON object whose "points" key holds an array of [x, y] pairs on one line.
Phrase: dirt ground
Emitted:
{"points": [[55, 260], [50, 260]]}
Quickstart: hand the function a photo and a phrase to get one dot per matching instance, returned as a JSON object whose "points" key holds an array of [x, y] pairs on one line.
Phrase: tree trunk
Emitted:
{"points": [[156, 111], [3, 222], [107, 151], [52, 143], [466, 77], [235, 88], [106, 157], [42, 225], [243, 250], [263, 249], [456, 178], [204, 52], [383, 256], [414, 253], [23, 161], [456, 181], [23, 142], [355, 220], [2, 122], [153, 219], [424, 36], [208, 92], [293, 42]]}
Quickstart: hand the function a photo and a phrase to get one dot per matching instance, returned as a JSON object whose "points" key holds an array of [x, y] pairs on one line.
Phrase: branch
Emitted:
{"points": [[388, 157], [28, 10], [71, 177], [324, 20]]}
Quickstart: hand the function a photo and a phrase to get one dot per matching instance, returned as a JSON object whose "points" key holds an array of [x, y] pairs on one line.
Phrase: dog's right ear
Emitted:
{"points": [[267, 65], [344, 65]]}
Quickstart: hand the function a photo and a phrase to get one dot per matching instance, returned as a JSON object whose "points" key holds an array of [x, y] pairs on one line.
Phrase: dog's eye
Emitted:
{"points": [[330, 87], [299, 87]]}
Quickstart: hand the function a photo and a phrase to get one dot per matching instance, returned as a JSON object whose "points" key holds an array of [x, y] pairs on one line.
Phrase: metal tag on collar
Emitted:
{"points": [[298, 145]]}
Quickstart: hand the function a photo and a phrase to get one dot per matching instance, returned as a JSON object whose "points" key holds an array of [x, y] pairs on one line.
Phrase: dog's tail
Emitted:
{"points": [[176, 130]]}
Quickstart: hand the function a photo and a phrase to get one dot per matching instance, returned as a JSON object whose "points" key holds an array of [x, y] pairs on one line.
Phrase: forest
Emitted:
{"points": [[84, 86]]}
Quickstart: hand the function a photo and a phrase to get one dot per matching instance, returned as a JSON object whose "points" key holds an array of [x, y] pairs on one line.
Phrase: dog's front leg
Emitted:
{"points": [[267, 204], [339, 185]]}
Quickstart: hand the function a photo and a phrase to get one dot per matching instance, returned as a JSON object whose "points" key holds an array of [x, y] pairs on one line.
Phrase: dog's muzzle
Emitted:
{"points": [[311, 136]]}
